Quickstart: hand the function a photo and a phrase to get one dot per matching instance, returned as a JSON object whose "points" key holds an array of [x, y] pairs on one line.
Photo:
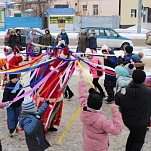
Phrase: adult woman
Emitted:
{"points": [[82, 42], [47, 38]]}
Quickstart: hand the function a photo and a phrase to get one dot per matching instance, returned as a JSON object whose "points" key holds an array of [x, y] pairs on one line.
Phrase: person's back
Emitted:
{"points": [[30, 120], [96, 126], [135, 104]]}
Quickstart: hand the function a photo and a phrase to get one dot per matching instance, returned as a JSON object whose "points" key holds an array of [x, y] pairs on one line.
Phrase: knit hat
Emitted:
{"points": [[28, 106], [17, 30], [137, 57], [37, 49], [59, 36], [130, 68], [12, 76], [104, 47], [94, 100], [120, 70], [12, 31], [138, 76], [8, 49], [129, 49]]}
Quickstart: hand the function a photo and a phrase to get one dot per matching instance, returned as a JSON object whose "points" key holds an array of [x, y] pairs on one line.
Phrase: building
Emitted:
{"points": [[129, 12], [4, 10], [89, 7], [58, 18]]}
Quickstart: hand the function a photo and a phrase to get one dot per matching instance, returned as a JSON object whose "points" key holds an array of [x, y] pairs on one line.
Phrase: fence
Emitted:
{"points": [[96, 21], [32, 22]]}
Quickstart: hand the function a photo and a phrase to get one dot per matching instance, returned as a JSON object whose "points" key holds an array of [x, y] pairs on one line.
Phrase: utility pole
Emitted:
{"points": [[139, 16]]}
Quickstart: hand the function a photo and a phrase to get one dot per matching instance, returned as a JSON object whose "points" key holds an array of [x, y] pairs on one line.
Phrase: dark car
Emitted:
{"points": [[23, 36]]}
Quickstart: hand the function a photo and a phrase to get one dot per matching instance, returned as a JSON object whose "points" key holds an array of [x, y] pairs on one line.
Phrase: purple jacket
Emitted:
{"points": [[96, 126]]}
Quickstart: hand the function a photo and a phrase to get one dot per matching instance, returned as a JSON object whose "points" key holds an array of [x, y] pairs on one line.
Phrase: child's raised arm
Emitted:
{"points": [[83, 93], [113, 127]]}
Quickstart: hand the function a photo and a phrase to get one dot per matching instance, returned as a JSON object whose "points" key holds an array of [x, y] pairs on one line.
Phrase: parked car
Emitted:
{"points": [[148, 38], [109, 37], [23, 36]]}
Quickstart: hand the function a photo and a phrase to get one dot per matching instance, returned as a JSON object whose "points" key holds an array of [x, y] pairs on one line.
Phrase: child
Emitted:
{"points": [[137, 60], [110, 79], [13, 110], [96, 126], [123, 75], [30, 120], [96, 73], [59, 42]]}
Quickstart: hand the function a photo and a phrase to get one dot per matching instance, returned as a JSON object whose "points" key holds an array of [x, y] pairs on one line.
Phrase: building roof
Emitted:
{"points": [[61, 11]]}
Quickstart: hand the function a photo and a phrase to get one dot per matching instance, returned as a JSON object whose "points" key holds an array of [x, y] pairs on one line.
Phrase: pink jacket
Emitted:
{"points": [[93, 71], [96, 126]]}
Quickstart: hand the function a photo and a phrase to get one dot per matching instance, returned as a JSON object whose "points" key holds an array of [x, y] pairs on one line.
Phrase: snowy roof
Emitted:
{"points": [[61, 11]]}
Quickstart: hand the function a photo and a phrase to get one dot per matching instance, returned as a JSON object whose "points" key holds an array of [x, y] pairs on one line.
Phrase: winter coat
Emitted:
{"points": [[47, 40], [135, 104], [14, 61], [35, 38], [95, 124], [122, 82], [12, 41], [110, 80], [18, 42], [92, 38], [128, 57], [9, 96], [139, 65], [93, 70], [29, 37], [65, 38], [34, 130], [82, 43]]}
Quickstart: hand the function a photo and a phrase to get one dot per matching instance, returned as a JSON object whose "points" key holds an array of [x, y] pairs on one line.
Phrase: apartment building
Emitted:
{"points": [[129, 12], [89, 7]]}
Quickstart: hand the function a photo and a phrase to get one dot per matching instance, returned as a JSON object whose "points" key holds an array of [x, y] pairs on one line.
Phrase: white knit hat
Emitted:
{"points": [[104, 47], [8, 49], [28, 106], [130, 68]]}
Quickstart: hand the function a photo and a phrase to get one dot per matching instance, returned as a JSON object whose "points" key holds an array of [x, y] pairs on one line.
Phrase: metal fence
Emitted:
{"points": [[95, 21]]}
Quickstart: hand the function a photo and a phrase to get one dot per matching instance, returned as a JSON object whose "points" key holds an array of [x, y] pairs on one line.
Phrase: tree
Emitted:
{"points": [[26, 4]]}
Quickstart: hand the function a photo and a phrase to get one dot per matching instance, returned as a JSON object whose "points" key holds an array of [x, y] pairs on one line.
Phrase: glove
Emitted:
{"points": [[4, 105], [47, 101]]}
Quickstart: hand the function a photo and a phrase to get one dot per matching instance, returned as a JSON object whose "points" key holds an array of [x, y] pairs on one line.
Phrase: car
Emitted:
{"points": [[23, 36], [148, 38], [109, 37]]}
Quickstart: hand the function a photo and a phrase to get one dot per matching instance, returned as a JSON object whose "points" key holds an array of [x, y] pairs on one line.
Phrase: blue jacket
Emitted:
{"points": [[92, 38], [128, 57], [34, 130], [110, 80], [65, 38]]}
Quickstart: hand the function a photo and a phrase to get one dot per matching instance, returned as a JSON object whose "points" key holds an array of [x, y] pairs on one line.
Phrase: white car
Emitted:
{"points": [[109, 37]]}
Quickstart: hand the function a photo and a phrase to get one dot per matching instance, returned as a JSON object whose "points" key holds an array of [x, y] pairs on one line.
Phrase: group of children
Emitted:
{"points": [[96, 126]]}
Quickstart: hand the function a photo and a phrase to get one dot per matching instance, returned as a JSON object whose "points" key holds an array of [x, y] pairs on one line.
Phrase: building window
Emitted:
{"points": [[95, 9], [133, 13], [84, 8], [61, 6]]}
